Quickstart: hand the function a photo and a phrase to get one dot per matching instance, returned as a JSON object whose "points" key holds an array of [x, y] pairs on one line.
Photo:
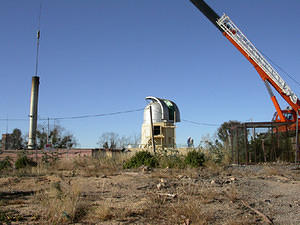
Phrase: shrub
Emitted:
{"points": [[23, 161], [5, 163], [50, 157], [171, 161], [141, 158], [194, 158]]}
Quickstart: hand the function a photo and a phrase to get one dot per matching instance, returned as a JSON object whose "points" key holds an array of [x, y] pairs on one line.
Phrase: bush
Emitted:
{"points": [[171, 161], [50, 158], [23, 161], [194, 158], [141, 158], [5, 163]]}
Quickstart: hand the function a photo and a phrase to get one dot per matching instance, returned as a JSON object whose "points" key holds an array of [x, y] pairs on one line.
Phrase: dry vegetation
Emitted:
{"points": [[100, 191]]}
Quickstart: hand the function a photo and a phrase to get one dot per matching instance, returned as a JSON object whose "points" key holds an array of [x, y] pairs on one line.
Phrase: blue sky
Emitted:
{"points": [[102, 56]]}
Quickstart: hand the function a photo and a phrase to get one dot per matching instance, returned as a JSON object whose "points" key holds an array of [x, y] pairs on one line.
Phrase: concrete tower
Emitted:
{"points": [[33, 112]]}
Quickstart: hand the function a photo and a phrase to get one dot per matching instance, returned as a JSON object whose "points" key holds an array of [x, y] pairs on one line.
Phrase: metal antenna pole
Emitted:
{"points": [[48, 133], [38, 42], [34, 95]]}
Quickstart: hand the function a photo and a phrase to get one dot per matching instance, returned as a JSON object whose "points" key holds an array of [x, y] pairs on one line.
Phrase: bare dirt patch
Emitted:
{"points": [[257, 194]]}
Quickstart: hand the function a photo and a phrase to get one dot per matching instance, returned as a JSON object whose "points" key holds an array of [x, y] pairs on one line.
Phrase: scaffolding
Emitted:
{"points": [[256, 142]]}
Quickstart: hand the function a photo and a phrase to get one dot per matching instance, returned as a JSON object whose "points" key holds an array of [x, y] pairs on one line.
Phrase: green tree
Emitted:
{"points": [[15, 140], [41, 139], [225, 130], [58, 138]]}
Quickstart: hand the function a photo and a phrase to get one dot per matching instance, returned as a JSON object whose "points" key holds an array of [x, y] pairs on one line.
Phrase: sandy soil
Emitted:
{"points": [[257, 194]]}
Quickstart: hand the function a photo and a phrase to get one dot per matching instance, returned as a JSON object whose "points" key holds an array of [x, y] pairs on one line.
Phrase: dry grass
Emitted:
{"points": [[84, 166], [189, 212], [199, 192], [243, 220], [209, 195], [227, 160], [232, 193], [105, 212], [63, 164], [61, 203], [101, 213], [187, 196], [213, 167], [186, 204], [271, 171], [102, 166]]}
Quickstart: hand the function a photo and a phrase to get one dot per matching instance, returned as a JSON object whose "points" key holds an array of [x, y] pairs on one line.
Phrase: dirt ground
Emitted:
{"points": [[254, 194]]}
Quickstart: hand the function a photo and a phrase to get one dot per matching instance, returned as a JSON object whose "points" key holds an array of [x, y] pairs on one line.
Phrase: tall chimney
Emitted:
{"points": [[33, 112]]}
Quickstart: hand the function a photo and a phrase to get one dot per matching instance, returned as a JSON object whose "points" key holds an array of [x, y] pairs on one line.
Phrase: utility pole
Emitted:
{"points": [[297, 138], [231, 143], [152, 131], [48, 133], [174, 129]]}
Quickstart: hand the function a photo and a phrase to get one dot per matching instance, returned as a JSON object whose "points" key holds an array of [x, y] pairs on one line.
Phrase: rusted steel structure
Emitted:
{"points": [[256, 142]]}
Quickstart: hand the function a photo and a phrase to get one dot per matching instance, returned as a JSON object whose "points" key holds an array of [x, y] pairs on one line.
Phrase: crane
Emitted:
{"points": [[267, 73]]}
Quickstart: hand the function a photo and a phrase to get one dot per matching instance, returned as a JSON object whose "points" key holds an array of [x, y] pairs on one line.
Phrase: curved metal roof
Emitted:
{"points": [[167, 107]]}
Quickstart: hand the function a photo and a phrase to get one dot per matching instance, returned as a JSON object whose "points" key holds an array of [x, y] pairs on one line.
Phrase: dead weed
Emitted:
{"points": [[61, 203], [231, 193], [271, 171], [189, 212]]}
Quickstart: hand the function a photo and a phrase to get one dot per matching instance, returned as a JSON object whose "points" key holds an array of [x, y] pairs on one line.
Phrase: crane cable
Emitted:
{"points": [[281, 69]]}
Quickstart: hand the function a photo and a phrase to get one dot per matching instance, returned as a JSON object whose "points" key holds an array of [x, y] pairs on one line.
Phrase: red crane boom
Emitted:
{"points": [[267, 73]]}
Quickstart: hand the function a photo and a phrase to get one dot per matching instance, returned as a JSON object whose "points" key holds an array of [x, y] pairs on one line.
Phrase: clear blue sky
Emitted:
{"points": [[102, 56]]}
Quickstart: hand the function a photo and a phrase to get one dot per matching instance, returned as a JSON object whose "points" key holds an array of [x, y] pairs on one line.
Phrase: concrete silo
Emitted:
{"points": [[165, 115]]}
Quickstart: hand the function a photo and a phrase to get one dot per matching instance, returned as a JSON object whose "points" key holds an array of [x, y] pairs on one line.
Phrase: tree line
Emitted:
{"points": [[58, 138], [219, 145]]}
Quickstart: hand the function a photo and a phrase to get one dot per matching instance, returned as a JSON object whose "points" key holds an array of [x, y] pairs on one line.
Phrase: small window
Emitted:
{"points": [[156, 130]]}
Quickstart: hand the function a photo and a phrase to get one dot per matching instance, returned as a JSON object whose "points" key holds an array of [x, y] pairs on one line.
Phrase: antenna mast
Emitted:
{"points": [[38, 41], [34, 95]]}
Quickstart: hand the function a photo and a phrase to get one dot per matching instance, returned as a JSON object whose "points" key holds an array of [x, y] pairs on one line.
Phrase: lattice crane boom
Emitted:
{"points": [[268, 74]]}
